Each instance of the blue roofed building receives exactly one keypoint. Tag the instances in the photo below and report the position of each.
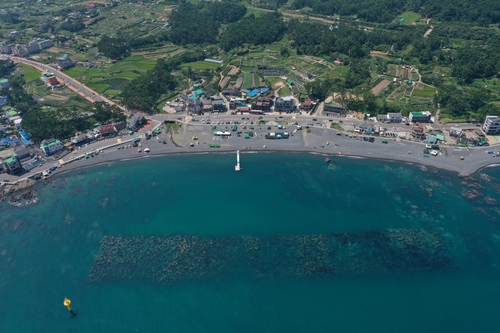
(51, 146)
(254, 93)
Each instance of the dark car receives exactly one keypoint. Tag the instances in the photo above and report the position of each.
(164, 142)
(371, 139)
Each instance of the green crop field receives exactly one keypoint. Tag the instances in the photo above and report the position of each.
(247, 81)
(30, 74)
(409, 17)
(255, 11)
(425, 91)
(202, 65)
(134, 63)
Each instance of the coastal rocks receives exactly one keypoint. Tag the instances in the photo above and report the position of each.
(472, 185)
(19, 194)
(169, 259)
(490, 201)
(104, 202)
(474, 194)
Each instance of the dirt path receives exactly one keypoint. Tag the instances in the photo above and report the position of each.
(428, 32)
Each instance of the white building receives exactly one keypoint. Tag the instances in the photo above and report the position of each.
(491, 125)
(51, 146)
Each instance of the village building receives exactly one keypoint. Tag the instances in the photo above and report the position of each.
(230, 92)
(391, 117)
(194, 106)
(52, 81)
(4, 84)
(5, 49)
(420, 117)
(365, 127)
(455, 132)
(263, 104)
(120, 126)
(418, 132)
(12, 165)
(333, 109)
(33, 47)
(45, 44)
(284, 104)
(107, 130)
(491, 125)
(20, 50)
(51, 146)
(64, 61)
(306, 105)
(218, 104)
(136, 121)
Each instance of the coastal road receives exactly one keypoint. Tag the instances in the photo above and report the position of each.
(81, 89)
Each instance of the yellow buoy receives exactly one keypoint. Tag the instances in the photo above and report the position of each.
(67, 303)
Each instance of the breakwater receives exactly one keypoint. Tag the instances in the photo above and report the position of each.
(168, 259)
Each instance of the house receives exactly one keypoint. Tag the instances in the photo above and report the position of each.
(33, 47)
(284, 104)
(417, 132)
(333, 108)
(107, 130)
(12, 165)
(218, 104)
(420, 117)
(4, 48)
(23, 153)
(51, 146)
(262, 104)
(52, 81)
(20, 50)
(64, 61)
(365, 127)
(120, 126)
(194, 106)
(80, 138)
(306, 105)
(4, 84)
(394, 117)
(45, 44)
(136, 121)
(230, 92)
(491, 125)
(455, 132)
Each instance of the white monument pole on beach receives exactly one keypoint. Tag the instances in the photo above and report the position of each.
(237, 167)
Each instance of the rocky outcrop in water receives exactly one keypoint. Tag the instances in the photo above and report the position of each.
(168, 259)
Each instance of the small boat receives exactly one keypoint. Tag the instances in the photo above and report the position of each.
(327, 160)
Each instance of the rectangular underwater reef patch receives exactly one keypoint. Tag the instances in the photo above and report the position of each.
(170, 259)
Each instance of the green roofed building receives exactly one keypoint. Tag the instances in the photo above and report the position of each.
(420, 117)
(333, 108)
(51, 146)
(198, 92)
(12, 165)
(4, 84)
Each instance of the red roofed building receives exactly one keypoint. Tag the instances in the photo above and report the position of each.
(52, 81)
(107, 129)
(306, 105)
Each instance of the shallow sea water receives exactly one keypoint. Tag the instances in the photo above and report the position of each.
(48, 250)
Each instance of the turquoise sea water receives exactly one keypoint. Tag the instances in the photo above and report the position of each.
(47, 250)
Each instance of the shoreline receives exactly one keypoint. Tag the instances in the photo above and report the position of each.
(74, 166)
(325, 142)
